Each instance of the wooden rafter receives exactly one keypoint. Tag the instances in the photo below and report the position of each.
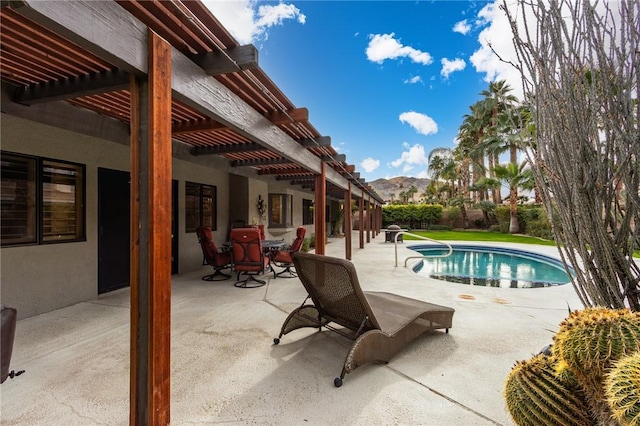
(227, 60)
(226, 149)
(261, 162)
(74, 87)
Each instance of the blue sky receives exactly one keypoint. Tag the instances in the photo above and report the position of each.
(388, 81)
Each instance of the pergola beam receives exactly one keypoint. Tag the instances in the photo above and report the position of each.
(89, 84)
(341, 158)
(226, 149)
(289, 116)
(316, 142)
(227, 61)
(298, 177)
(276, 171)
(262, 162)
(198, 126)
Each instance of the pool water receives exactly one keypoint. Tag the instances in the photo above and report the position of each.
(491, 267)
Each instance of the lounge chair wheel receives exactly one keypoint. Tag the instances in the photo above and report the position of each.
(337, 382)
(276, 341)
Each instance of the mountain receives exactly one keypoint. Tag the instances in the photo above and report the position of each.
(396, 185)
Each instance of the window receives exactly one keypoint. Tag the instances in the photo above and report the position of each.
(307, 212)
(280, 210)
(200, 206)
(42, 200)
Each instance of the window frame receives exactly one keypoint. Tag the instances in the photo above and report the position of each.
(200, 195)
(283, 203)
(37, 203)
(308, 212)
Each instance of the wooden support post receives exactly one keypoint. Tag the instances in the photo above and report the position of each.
(367, 204)
(137, 372)
(374, 219)
(151, 159)
(348, 227)
(361, 222)
(320, 216)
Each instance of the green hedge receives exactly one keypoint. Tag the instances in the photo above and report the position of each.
(412, 216)
(533, 220)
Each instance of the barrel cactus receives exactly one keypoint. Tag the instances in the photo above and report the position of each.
(622, 387)
(536, 395)
(589, 342)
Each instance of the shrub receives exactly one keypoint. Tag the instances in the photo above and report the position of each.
(479, 223)
(451, 215)
(306, 244)
(439, 228)
(495, 228)
(411, 215)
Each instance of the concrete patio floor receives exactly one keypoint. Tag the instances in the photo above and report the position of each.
(225, 369)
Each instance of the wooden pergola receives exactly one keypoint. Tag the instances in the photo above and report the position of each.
(149, 73)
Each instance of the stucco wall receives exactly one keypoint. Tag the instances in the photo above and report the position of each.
(40, 278)
(37, 279)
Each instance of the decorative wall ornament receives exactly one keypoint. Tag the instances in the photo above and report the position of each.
(262, 207)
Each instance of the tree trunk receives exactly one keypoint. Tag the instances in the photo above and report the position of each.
(514, 227)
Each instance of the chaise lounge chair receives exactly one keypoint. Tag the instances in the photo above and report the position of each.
(381, 324)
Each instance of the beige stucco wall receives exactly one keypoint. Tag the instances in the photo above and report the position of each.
(37, 279)
(40, 278)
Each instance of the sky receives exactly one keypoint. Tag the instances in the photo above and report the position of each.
(388, 81)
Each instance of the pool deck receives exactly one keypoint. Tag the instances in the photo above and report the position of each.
(225, 370)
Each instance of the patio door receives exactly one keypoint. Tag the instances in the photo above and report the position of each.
(113, 229)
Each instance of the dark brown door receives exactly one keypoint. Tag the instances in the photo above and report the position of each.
(113, 229)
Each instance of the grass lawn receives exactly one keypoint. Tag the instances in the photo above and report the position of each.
(479, 236)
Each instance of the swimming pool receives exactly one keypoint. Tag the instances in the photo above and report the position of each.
(491, 267)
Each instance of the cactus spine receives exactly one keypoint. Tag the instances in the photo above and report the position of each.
(622, 387)
(589, 342)
(535, 395)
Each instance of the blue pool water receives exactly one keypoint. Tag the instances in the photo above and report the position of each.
(491, 267)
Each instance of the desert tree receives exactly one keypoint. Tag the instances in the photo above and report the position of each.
(580, 67)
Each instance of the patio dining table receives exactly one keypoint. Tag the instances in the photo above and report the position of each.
(269, 247)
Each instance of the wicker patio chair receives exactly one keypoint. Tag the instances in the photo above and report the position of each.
(381, 324)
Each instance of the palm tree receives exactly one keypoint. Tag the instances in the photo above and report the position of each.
(442, 165)
(411, 192)
(496, 99)
(515, 176)
(471, 133)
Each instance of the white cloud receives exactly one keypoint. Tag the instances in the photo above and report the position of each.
(386, 46)
(424, 174)
(249, 22)
(369, 164)
(413, 80)
(462, 27)
(449, 66)
(497, 35)
(422, 123)
(413, 156)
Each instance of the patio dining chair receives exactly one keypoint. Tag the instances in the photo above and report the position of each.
(248, 257)
(380, 324)
(219, 260)
(284, 258)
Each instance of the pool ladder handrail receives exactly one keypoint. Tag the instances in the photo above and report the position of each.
(423, 256)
